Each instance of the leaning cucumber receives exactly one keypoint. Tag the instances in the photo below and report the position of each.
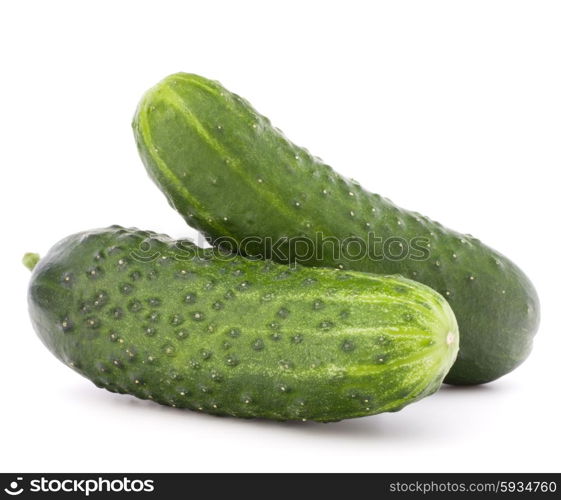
(141, 314)
(237, 179)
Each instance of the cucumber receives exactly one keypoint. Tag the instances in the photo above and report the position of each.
(141, 314)
(239, 181)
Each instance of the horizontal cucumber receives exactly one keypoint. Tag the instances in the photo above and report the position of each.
(238, 180)
(141, 314)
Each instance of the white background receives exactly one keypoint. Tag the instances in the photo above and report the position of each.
(450, 108)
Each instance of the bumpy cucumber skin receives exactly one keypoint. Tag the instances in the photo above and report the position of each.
(233, 336)
(229, 173)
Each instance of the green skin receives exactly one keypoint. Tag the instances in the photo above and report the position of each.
(233, 176)
(141, 314)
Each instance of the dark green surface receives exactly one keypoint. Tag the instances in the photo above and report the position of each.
(231, 174)
(139, 313)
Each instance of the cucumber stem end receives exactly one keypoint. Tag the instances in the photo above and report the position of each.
(30, 260)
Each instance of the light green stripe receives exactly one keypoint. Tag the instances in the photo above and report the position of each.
(418, 356)
(173, 179)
